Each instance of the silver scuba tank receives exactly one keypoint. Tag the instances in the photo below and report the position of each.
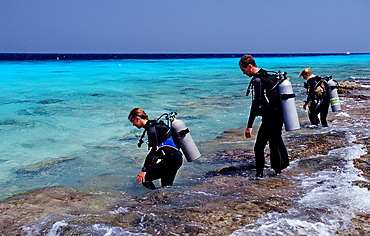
(182, 134)
(289, 108)
(333, 95)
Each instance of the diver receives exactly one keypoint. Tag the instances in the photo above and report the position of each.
(164, 158)
(265, 103)
(317, 99)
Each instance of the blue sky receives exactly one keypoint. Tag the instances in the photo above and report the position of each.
(187, 26)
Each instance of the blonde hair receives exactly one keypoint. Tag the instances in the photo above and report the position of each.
(306, 71)
(137, 112)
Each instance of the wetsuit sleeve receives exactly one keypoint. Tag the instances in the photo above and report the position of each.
(152, 139)
(311, 87)
(257, 95)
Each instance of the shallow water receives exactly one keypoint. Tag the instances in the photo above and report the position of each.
(64, 123)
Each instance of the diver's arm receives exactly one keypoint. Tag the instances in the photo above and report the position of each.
(311, 87)
(255, 103)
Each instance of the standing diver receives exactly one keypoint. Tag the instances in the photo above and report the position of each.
(265, 103)
(161, 146)
(317, 99)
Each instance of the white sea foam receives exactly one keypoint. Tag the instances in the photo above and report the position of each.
(331, 201)
(35, 229)
(57, 226)
(119, 210)
(101, 229)
(342, 114)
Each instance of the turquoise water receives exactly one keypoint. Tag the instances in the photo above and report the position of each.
(64, 123)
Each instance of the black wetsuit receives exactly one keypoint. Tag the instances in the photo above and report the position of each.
(317, 105)
(161, 147)
(271, 126)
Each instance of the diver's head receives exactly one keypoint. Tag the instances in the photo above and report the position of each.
(138, 117)
(248, 65)
(306, 73)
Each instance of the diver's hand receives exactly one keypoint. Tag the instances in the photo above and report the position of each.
(141, 177)
(248, 133)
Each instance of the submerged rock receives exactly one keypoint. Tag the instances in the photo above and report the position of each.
(50, 101)
(44, 165)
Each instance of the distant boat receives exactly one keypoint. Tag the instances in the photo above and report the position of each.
(348, 53)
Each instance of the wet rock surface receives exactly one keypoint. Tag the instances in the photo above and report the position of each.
(225, 200)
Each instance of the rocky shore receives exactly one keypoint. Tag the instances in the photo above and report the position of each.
(224, 201)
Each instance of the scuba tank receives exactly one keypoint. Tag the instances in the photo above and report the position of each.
(182, 137)
(288, 106)
(333, 94)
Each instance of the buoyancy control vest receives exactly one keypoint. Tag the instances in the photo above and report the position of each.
(277, 95)
(164, 139)
(321, 88)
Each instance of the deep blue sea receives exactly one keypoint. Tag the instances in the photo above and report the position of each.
(64, 122)
(63, 117)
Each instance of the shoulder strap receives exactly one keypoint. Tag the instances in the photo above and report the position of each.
(141, 141)
(259, 74)
(249, 88)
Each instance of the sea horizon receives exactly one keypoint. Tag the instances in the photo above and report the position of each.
(180, 55)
